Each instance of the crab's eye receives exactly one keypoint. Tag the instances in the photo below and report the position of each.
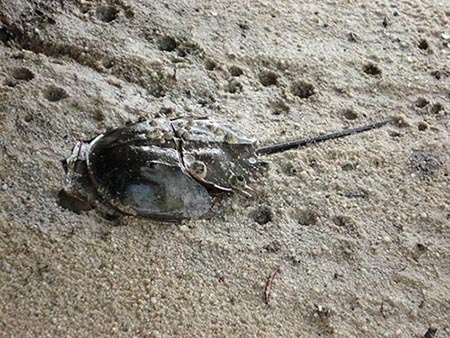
(198, 168)
(237, 181)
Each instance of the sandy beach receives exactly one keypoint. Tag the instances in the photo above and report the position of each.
(358, 229)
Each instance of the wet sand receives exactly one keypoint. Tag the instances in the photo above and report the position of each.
(358, 227)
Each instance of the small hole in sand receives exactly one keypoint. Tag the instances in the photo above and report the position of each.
(436, 108)
(421, 247)
(108, 63)
(167, 43)
(54, 94)
(273, 246)
(22, 73)
(244, 26)
(4, 35)
(268, 78)
(280, 107)
(210, 64)
(350, 114)
(394, 133)
(348, 167)
(51, 20)
(436, 74)
(289, 169)
(10, 82)
(106, 13)
(421, 102)
(352, 37)
(263, 215)
(343, 221)
(307, 217)
(372, 69)
(302, 89)
(235, 71)
(182, 53)
(423, 44)
(234, 87)
(98, 115)
(422, 126)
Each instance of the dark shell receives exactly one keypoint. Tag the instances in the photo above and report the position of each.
(226, 154)
(163, 169)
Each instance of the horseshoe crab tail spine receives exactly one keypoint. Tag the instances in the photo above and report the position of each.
(278, 148)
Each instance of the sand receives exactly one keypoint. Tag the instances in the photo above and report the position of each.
(359, 228)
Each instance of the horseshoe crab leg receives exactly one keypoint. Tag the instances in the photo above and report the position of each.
(278, 148)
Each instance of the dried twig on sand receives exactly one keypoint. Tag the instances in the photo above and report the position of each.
(269, 284)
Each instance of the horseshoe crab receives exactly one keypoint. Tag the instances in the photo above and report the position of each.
(165, 169)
